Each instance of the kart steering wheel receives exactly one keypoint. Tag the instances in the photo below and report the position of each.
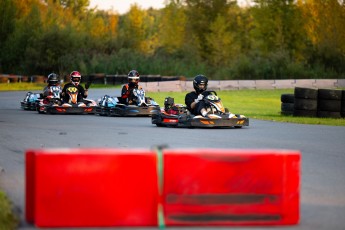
(205, 93)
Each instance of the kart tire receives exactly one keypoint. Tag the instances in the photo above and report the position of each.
(329, 114)
(287, 107)
(305, 93)
(305, 113)
(286, 113)
(305, 104)
(287, 98)
(330, 105)
(330, 94)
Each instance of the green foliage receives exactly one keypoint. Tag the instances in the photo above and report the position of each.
(7, 218)
(272, 39)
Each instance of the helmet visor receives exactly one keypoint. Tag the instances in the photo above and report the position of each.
(75, 79)
(201, 86)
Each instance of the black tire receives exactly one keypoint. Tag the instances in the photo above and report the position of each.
(329, 105)
(305, 113)
(287, 107)
(329, 94)
(286, 113)
(305, 104)
(287, 98)
(306, 93)
(328, 114)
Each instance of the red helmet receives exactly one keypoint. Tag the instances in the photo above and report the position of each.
(75, 78)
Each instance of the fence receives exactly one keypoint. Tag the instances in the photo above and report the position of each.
(157, 83)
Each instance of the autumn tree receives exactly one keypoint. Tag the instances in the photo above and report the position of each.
(326, 32)
(172, 27)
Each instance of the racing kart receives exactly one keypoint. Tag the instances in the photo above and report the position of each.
(177, 115)
(53, 104)
(116, 106)
(29, 102)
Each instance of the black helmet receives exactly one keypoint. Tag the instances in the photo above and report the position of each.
(53, 79)
(133, 77)
(200, 80)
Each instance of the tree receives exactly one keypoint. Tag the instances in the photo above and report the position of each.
(326, 32)
(223, 47)
(278, 26)
(7, 25)
(200, 14)
(172, 28)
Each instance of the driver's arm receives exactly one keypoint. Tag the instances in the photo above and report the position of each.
(86, 93)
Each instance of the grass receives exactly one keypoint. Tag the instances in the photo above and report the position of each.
(8, 220)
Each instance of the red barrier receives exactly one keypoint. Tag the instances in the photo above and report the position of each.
(129, 187)
(231, 187)
(91, 187)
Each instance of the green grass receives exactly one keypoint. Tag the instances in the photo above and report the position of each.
(8, 220)
(258, 104)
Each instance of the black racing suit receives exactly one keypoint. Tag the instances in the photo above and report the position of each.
(81, 92)
(189, 99)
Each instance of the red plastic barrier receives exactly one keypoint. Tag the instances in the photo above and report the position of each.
(91, 187)
(231, 187)
(128, 187)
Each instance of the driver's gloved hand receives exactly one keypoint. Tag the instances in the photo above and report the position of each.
(87, 85)
(200, 97)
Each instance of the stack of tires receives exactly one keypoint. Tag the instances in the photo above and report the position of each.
(306, 102)
(287, 104)
(329, 103)
(309, 102)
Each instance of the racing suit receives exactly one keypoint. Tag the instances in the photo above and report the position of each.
(82, 93)
(190, 98)
(127, 96)
(49, 89)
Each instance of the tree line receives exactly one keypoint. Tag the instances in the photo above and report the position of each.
(268, 39)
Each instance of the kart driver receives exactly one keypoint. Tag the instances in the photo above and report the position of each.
(75, 77)
(194, 100)
(127, 90)
(53, 85)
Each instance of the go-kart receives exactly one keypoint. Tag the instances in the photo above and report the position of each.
(177, 115)
(29, 102)
(53, 104)
(116, 106)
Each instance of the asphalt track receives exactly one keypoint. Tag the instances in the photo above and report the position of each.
(323, 150)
